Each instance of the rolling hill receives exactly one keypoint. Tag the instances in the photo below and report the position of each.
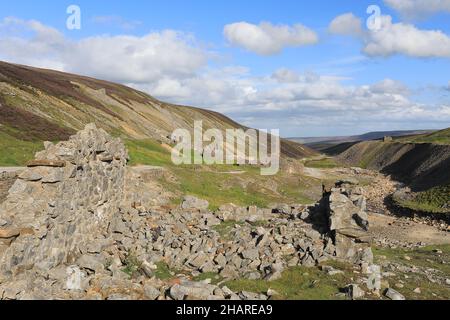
(324, 143)
(39, 104)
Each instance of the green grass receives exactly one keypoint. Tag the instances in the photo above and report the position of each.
(225, 228)
(214, 277)
(439, 137)
(248, 188)
(300, 283)
(15, 152)
(325, 163)
(132, 266)
(433, 200)
(163, 272)
(147, 152)
(424, 258)
(213, 183)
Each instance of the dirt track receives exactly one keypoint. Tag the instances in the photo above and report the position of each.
(385, 227)
(405, 231)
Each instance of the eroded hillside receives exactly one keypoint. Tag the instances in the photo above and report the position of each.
(38, 105)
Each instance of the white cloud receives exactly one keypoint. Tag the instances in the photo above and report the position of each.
(268, 39)
(402, 38)
(122, 58)
(394, 38)
(390, 86)
(346, 24)
(419, 8)
(285, 75)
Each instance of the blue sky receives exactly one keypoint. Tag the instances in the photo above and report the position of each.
(252, 61)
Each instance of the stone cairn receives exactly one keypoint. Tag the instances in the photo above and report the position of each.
(78, 225)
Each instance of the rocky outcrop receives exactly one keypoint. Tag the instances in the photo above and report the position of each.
(348, 223)
(64, 197)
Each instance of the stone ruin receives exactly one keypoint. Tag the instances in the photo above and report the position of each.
(77, 211)
(66, 195)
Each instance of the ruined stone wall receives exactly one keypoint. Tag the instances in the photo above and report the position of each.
(348, 223)
(64, 199)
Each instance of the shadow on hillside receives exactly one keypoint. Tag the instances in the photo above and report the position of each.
(399, 211)
(423, 167)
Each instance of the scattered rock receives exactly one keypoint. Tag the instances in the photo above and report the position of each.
(393, 294)
(190, 202)
(355, 292)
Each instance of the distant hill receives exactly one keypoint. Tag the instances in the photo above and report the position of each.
(363, 137)
(39, 104)
(438, 137)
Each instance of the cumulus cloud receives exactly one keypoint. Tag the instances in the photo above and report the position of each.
(394, 38)
(268, 39)
(346, 24)
(413, 9)
(123, 58)
(402, 38)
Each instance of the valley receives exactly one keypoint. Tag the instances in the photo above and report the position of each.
(315, 230)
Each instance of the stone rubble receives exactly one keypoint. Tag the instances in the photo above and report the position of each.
(80, 225)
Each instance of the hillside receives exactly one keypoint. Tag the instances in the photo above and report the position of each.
(323, 143)
(422, 166)
(438, 137)
(39, 104)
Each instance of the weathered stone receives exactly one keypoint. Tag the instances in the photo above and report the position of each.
(355, 292)
(250, 254)
(220, 260)
(118, 226)
(229, 272)
(30, 175)
(199, 260)
(91, 262)
(9, 233)
(46, 163)
(148, 268)
(151, 292)
(190, 202)
(197, 290)
(393, 294)
(54, 175)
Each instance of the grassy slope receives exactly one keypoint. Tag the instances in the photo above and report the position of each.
(213, 183)
(219, 185)
(15, 152)
(50, 105)
(436, 200)
(324, 163)
(439, 137)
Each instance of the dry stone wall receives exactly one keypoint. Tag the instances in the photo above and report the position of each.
(64, 198)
